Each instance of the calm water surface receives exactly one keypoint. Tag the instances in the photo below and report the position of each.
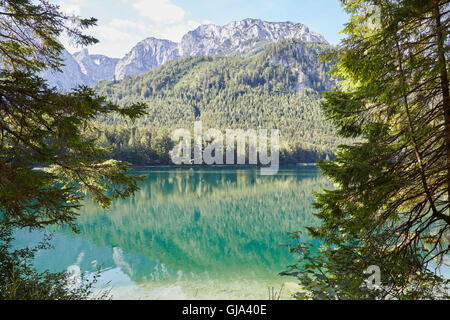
(191, 234)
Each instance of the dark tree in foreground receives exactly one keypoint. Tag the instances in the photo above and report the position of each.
(390, 207)
(40, 127)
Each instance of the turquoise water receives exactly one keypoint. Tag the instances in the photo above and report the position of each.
(203, 233)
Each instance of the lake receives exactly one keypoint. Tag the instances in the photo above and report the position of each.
(203, 233)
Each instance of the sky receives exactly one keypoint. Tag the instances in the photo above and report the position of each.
(123, 23)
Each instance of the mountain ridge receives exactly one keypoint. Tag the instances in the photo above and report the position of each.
(280, 87)
(242, 37)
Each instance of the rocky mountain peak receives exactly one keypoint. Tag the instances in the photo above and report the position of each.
(234, 38)
(95, 67)
(213, 39)
(147, 54)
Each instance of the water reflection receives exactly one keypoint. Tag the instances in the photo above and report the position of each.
(192, 233)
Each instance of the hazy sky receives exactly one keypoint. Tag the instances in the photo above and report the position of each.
(123, 23)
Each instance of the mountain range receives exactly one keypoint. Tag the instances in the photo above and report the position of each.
(239, 38)
(247, 74)
(279, 87)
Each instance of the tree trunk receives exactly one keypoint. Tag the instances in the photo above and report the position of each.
(440, 41)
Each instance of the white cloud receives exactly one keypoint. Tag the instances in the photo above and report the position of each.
(71, 7)
(119, 35)
(155, 18)
(160, 11)
(175, 32)
(128, 24)
(172, 32)
(114, 42)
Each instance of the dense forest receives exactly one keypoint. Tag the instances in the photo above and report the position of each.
(277, 88)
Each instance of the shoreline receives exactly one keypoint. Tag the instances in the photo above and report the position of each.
(220, 166)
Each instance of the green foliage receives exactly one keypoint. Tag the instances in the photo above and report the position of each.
(279, 87)
(391, 203)
(29, 32)
(43, 128)
(20, 281)
(47, 163)
(341, 271)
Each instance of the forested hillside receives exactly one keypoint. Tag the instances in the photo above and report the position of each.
(279, 87)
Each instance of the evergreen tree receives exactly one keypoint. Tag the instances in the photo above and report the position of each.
(279, 87)
(391, 204)
(40, 127)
